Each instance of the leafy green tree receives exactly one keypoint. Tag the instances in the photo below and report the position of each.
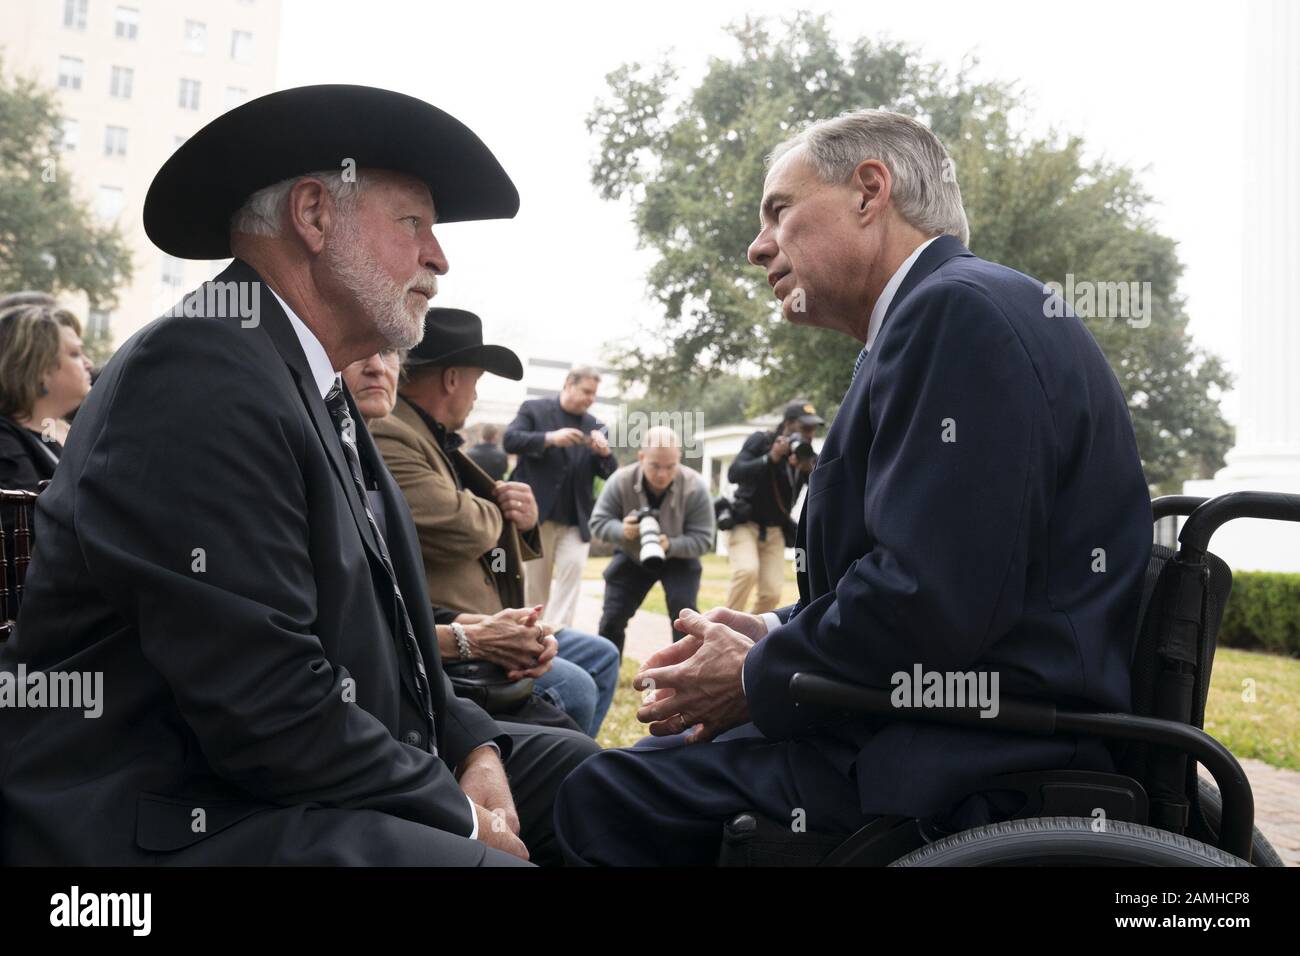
(691, 167)
(49, 240)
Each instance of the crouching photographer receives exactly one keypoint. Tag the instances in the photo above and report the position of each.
(660, 513)
(768, 473)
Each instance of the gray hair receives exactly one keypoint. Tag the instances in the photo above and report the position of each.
(580, 373)
(261, 213)
(925, 190)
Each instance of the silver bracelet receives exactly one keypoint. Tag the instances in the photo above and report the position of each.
(462, 640)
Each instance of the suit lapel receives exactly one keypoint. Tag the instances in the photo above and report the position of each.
(935, 255)
(281, 331)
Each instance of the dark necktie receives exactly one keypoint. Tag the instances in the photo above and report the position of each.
(337, 404)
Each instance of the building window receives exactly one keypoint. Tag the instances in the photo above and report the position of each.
(69, 73)
(74, 14)
(234, 96)
(70, 137)
(189, 98)
(126, 23)
(109, 202)
(98, 322)
(120, 82)
(241, 46)
(114, 141)
(173, 271)
(196, 36)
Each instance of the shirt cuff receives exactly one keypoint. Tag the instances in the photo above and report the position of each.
(473, 815)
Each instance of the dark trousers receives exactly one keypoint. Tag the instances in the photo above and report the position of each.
(664, 804)
(540, 759)
(627, 583)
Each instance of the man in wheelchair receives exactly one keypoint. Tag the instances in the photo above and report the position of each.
(979, 507)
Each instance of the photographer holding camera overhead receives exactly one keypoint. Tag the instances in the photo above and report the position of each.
(659, 511)
(768, 473)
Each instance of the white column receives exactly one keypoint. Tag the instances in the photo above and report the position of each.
(1268, 434)
(1267, 453)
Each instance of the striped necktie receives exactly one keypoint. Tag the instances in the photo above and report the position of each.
(337, 404)
(857, 364)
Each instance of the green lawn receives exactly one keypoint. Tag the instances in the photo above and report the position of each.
(1267, 728)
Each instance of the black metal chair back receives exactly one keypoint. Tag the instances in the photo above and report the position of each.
(17, 518)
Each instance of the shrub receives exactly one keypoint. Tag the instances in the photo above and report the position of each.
(1263, 613)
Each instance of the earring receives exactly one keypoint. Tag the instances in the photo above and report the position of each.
(43, 392)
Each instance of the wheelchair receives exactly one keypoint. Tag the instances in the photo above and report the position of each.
(1154, 810)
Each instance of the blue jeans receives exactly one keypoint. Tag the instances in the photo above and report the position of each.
(582, 678)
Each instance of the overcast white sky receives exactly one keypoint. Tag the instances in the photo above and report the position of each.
(1152, 83)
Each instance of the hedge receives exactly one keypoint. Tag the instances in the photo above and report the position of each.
(1263, 613)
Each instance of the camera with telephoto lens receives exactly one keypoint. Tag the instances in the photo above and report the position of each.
(801, 448)
(652, 552)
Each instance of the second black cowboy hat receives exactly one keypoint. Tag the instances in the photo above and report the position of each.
(454, 337)
(310, 128)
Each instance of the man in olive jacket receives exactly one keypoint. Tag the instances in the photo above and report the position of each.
(475, 533)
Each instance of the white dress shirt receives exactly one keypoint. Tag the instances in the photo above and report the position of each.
(322, 369)
(873, 329)
(891, 289)
(322, 372)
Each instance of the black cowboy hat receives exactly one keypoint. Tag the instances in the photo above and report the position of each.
(454, 337)
(332, 127)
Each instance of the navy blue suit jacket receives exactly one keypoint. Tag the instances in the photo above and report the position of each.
(979, 473)
(543, 469)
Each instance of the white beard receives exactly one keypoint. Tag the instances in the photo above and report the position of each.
(387, 304)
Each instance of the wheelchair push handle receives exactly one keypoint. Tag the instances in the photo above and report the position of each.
(1216, 512)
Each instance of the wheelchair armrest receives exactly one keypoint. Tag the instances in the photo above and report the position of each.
(1040, 718)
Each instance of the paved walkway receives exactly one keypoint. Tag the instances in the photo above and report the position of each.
(1277, 791)
(1277, 806)
(646, 632)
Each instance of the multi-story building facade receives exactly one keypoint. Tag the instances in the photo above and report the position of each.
(135, 78)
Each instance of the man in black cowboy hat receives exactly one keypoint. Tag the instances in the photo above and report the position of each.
(275, 693)
(476, 533)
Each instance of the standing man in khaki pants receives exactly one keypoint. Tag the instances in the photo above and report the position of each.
(768, 473)
(561, 450)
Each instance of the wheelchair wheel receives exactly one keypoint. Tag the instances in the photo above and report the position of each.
(1261, 851)
(1067, 841)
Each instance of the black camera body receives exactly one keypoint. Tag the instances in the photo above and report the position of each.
(652, 555)
(801, 448)
(730, 512)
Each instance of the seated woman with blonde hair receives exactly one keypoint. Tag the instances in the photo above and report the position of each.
(44, 377)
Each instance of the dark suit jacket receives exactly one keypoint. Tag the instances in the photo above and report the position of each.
(24, 464)
(543, 468)
(202, 545)
(970, 555)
